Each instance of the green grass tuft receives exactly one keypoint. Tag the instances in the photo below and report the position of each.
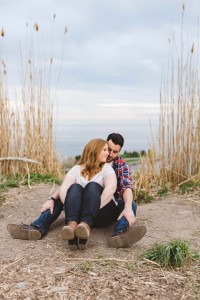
(16, 180)
(143, 197)
(174, 254)
(162, 191)
(6, 183)
(2, 199)
(41, 178)
(189, 186)
(87, 267)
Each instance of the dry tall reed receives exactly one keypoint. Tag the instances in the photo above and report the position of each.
(176, 159)
(26, 122)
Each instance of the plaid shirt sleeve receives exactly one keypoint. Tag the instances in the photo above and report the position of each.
(124, 179)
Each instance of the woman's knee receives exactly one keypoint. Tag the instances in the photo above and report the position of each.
(93, 187)
(75, 187)
(74, 191)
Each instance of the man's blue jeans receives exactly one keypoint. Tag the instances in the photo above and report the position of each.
(46, 218)
(122, 224)
(87, 211)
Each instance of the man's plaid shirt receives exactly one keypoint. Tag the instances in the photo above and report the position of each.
(124, 179)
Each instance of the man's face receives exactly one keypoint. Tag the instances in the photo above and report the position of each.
(113, 151)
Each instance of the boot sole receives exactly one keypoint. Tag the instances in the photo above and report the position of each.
(72, 247)
(67, 233)
(82, 245)
(82, 232)
(23, 234)
(72, 244)
(133, 235)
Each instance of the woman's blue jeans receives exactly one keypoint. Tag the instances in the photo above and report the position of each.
(83, 204)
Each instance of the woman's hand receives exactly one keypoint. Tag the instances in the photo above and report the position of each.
(48, 205)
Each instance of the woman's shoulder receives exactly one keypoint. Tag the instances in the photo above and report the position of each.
(74, 169)
(107, 168)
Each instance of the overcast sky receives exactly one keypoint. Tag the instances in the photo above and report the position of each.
(108, 66)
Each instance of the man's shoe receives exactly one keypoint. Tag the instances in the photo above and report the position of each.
(132, 235)
(24, 232)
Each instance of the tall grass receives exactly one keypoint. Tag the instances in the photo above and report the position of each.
(26, 121)
(174, 157)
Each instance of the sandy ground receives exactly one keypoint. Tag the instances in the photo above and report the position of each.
(46, 269)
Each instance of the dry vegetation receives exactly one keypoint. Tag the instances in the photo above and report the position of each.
(26, 122)
(174, 157)
(103, 279)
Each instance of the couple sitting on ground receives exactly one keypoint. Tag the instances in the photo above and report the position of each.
(95, 192)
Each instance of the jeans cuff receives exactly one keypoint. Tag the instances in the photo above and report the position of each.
(39, 228)
(118, 232)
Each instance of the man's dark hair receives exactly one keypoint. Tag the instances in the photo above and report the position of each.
(116, 138)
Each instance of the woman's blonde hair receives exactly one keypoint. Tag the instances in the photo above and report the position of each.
(89, 158)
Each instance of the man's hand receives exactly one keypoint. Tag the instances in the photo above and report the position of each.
(48, 205)
(129, 215)
(128, 211)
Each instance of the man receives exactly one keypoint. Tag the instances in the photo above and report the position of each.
(122, 208)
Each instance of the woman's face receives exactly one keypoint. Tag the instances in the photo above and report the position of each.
(103, 154)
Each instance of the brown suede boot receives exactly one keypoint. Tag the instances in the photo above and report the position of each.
(82, 232)
(24, 232)
(67, 233)
(132, 235)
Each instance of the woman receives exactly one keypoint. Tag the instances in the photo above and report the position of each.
(86, 188)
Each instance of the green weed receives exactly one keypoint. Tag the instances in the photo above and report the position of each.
(143, 197)
(189, 186)
(87, 267)
(6, 183)
(162, 191)
(2, 199)
(174, 254)
(41, 178)
(16, 180)
(130, 266)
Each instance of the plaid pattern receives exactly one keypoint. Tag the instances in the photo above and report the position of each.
(124, 179)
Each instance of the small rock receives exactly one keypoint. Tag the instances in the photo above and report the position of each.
(21, 285)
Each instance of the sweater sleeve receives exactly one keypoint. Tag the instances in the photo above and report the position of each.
(73, 172)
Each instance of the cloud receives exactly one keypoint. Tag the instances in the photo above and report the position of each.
(130, 105)
(112, 57)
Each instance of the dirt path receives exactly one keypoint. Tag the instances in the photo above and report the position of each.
(46, 269)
